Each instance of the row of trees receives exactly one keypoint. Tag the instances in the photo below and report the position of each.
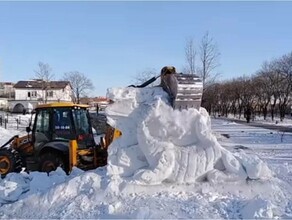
(79, 82)
(269, 90)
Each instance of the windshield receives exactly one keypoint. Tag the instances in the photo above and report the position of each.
(81, 119)
(62, 124)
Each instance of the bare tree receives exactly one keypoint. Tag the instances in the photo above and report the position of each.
(80, 84)
(285, 69)
(268, 87)
(44, 73)
(263, 93)
(212, 96)
(145, 75)
(271, 72)
(209, 56)
(190, 55)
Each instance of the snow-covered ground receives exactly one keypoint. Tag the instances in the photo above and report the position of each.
(167, 164)
(274, 147)
(287, 122)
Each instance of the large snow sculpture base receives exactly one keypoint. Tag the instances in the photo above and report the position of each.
(161, 144)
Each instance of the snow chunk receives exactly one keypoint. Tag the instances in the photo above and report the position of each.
(254, 166)
(257, 208)
(13, 186)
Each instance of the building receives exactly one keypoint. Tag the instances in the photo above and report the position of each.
(3, 103)
(28, 94)
(6, 93)
(7, 90)
(102, 102)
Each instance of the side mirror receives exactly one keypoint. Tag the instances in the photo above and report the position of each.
(28, 129)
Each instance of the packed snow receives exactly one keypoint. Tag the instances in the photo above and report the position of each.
(165, 145)
(167, 164)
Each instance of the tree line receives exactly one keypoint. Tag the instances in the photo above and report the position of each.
(267, 92)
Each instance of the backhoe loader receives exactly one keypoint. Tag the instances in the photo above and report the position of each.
(61, 135)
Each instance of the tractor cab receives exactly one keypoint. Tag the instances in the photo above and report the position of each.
(62, 122)
(55, 126)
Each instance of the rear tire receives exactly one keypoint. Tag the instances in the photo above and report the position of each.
(10, 161)
(50, 161)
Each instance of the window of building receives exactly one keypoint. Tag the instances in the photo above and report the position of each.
(50, 93)
(34, 94)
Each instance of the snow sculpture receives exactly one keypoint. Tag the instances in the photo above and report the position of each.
(161, 144)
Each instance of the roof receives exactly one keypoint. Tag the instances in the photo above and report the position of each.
(94, 100)
(38, 84)
(7, 83)
(61, 104)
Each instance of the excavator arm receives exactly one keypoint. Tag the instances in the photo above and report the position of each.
(184, 90)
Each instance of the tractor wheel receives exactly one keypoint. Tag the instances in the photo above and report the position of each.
(10, 161)
(50, 161)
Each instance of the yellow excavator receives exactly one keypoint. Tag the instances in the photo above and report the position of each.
(61, 133)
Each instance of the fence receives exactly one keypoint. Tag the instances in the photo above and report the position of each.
(14, 121)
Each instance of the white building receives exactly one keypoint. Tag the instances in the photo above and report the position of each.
(3, 103)
(6, 90)
(28, 94)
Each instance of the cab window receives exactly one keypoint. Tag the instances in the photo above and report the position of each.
(43, 121)
(42, 126)
(81, 121)
(62, 124)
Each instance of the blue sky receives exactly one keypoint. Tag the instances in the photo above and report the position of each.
(111, 42)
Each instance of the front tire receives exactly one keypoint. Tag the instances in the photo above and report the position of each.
(10, 161)
(50, 161)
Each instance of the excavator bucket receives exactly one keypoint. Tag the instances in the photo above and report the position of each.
(185, 90)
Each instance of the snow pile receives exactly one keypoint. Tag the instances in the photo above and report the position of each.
(53, 196)
(160, 144)
(93, 195)
(14, 184)
(12, 187)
